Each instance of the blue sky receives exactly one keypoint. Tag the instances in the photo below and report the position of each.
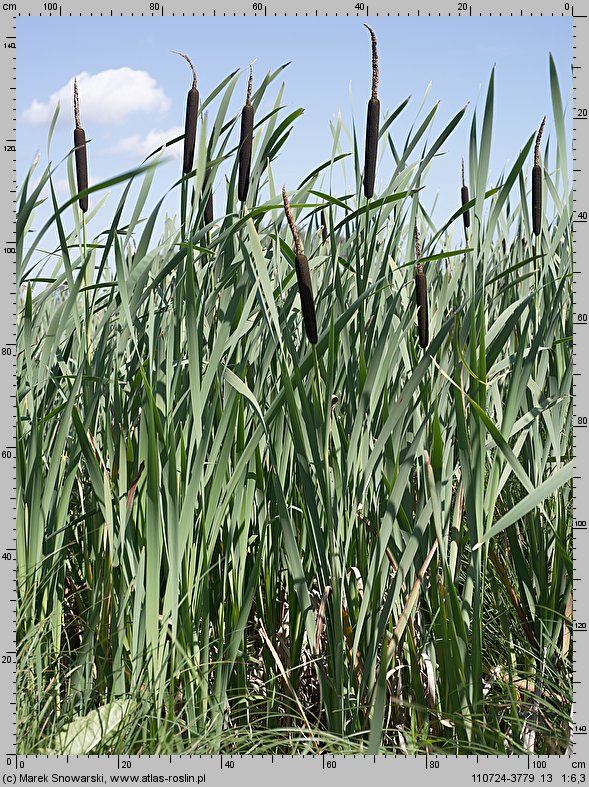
(133, 89)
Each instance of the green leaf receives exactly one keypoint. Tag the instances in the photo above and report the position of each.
(529, 502)
(84, 734)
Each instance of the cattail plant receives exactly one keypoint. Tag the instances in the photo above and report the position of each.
(421, 296)
(465, 198)
(372, 123)
(191, 118)
(80, 152)
(209, 206)
(537, 184)
(245, 142)
(303, 276)
(324, 233)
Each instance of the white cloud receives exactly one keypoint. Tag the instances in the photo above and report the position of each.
(62, 187)
(141, 146)
(105, 98)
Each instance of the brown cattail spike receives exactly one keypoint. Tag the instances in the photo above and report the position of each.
(324, 233)
(209, 209)
(80, 152)
(192, 101)
(303, 276)
(306, 295)
(464, 196)
(421, 297)
(537, 185)
(372, 124)
(245, 143)
(422, 313)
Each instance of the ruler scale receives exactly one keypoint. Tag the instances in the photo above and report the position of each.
(8, 359)
(571, 768)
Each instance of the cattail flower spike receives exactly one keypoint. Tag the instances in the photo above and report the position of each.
(245, 141)
(80, 151)
(248, 99)
(421, 296)
(374, 61)
(192, 101)
(191, 64)
(417, 248)
(324, 231)
(291, 223)
(464, 197)
(303, 275)
(537, 185)
(76, 105)
(537, 145)
(372, 124)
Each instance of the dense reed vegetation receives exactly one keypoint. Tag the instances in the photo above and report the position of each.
(232, 538)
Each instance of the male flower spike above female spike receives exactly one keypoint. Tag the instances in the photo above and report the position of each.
(372, 124)
(80, 152)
